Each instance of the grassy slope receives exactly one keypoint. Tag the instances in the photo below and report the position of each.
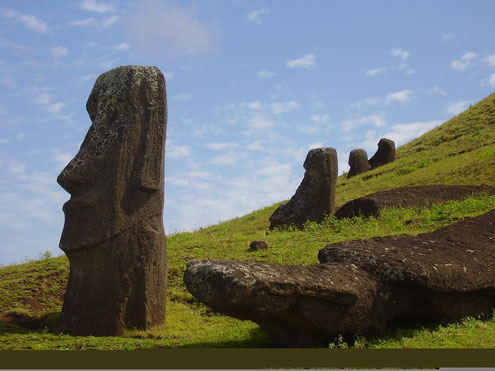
(461, 151)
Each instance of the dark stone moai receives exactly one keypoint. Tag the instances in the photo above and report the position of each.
(113, 233)
(358, 162)
(384, 154)
(315, 196)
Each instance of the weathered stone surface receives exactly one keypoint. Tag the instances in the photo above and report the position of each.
(256, 245)
(296, 305)
(358, 162)
(360, 287)
(384, 154)
(315, 196)
(113, 233)
(427, 195)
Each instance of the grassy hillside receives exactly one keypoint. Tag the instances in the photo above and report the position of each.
(461, 151)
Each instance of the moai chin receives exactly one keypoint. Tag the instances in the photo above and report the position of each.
(113, 233)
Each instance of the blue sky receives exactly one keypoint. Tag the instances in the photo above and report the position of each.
(252, 86)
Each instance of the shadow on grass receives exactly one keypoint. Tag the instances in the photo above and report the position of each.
(22, 323)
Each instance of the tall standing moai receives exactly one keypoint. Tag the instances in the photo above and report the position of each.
(358, 162)
(384, 154)
(315, 196)
(113, 233)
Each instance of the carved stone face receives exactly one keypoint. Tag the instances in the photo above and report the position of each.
(116, 178)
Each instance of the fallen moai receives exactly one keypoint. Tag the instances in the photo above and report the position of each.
(384, 154)
(358, 162)
(361, 286)
(113, 233)
(426, 195)
(315, 196)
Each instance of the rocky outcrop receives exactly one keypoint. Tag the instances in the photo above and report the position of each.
(113, 233)
(315, 196)
(384, 154)
(360, 287)
(358, 162)
(427, 195)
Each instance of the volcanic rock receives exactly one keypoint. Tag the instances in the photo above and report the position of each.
(384, 154)
(358, 162)
(315, 196)
(256, 245)
(427, 195)
(361, 286)
(113, 233)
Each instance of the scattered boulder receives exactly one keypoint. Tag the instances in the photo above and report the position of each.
(256, 245)
(113, 233)
(315, 196)
(384, 154)
(361, 286)
(427, 195)
(358, 162)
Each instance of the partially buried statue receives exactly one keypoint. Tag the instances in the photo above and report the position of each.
(113, 233)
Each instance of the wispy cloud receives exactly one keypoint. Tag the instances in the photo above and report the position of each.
(59, 51)
(29, 20)
(490, 59)
(320, 119)
(169, 75)
(448, 37)
(264, 74)
(55, 107)
(464, 62)
(307, 62)
(220, 146)
(400, 53)
(122, 47)
(178, 151)
(491, 80)
(402, 96)
(437, 90)
(457, 107)
(375, 120)
(376, 71)
(96, 6)
(181, 97)
(256, 15)
(160, 28)
(282, 107)
(92, 22)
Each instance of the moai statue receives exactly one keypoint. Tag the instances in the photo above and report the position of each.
(315, 196)
(358, 162)
(384, 154)
(113, 233)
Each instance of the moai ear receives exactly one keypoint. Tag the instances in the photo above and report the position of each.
(150, 178)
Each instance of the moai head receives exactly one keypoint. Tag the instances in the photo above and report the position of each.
(116, 179)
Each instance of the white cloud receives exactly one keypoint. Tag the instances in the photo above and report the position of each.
(109, 21)
(29, 20)
(320, 119)
(375, 120)
(307, 61)
(437, 90)
(256, 15)
(255, 105)
(55, 107)
(174, 151)
(87, 22)
(491, 80)
(96, 6)
(457, 107)
(58, 51)
(448, 37)
(376, 71)
(402, 96)
(43, 98)
(263, 74)
(158, 27)
(181, 97)
(490, 59)
(229, 158)
(464, 62)
(260, 122)
(84, 79)
(169, 75)
(282, 107)
(122, 47)
(403, 133)
(399, 53)
(221, 146)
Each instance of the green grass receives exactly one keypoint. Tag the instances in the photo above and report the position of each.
(461, 151)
